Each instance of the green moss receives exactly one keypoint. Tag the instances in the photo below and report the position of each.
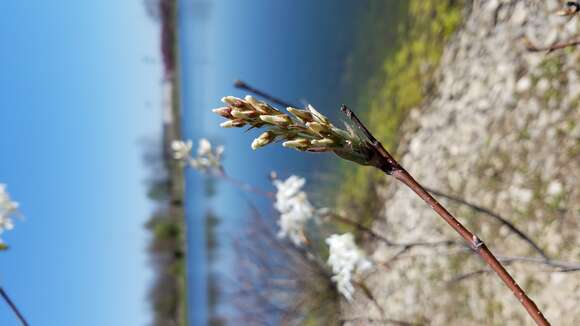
(411, 44)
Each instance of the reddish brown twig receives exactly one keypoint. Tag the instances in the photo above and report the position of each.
(384, 161)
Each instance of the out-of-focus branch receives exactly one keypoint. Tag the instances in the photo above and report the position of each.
(558, 46)
(244, 185)
(388, 242)
(381, 321)
(558, 265)
(562, 266)
(244, 86)
(494, 215)
(12, 306)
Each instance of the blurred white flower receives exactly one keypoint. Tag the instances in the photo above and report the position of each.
(347, 262)
(6, 223)
(181, 149)
(7, 208)
(207, 159)
(554, 188)
(204, 147)
(294, 207)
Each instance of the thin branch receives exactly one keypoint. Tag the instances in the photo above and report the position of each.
(549, 49)
(382, 321)
(388, 242)
(496, 216)
(368, 293)
(10, 303)
(244, 185)
(242, 85)
(384, 161)
(563, 266)
(465, 276)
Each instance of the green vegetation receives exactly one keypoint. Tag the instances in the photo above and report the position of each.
(390, 72)
(214, 290)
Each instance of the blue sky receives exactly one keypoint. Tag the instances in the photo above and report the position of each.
(79, 94)
(294, 49)
(80, 87)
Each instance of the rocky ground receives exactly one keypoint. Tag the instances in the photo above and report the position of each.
(502, 131)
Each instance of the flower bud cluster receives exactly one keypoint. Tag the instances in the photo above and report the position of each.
(303, 130)
(207, 159)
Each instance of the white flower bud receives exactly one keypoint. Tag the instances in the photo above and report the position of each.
(300, 144)
(261, 107)
(263, 140)
(244, 115)
(281, 120)
(232, 124)
(223, 112)
(317, 116)
(319, 128)
(231, 100)
(303, 115)
(325, 142)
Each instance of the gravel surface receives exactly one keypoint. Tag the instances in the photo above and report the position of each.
(501, 131)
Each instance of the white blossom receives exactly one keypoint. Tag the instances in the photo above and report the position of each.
(347, 262)
(207, 159)
(181, 149)
(294, 207)
(7, 208)
(204, 147)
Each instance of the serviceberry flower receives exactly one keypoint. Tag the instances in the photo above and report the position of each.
(207, 160)
(181, 149)
(347, 262)
(294, 207)
(8, 208)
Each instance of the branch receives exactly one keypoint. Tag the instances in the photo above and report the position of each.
(564, 266)
(388, 242)
(549, 49)
(242, 85)
(496, 216)
(243, 185)
(10, 303)
(386, 163)
(382, 321)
